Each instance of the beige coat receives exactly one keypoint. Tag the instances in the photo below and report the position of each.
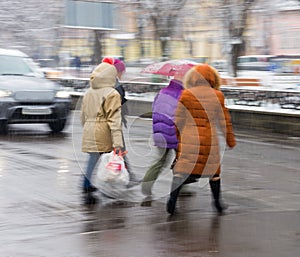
(101, 112)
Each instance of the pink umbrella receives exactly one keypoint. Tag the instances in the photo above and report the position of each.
(169, 68)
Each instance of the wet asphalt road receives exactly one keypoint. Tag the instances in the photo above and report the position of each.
(42, 212)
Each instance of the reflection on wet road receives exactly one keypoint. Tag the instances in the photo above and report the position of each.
(42, 212)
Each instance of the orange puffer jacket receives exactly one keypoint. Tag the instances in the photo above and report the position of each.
(202, 120)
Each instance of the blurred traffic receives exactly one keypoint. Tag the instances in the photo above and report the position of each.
(26, 96)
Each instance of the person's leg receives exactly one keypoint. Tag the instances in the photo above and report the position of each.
(154, 171)
(191, 179)
(177, 184)
(92, 161)
(185, 191)
(215, 185)
(132, 176)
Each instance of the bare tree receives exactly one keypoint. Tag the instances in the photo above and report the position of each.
(163, 15)
(31, 25)
(231, 15)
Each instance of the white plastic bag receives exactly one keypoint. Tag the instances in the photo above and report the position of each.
(112, 169)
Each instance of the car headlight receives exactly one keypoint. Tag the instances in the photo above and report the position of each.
(4, 93)
(62, 94)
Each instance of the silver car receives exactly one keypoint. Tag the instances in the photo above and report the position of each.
(26, 96)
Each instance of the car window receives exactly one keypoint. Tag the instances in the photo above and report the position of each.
(14, 65)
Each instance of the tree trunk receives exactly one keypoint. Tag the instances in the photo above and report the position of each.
(237, 50)
(164, 49)
(98, 48)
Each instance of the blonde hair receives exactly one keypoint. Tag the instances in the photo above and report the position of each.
(217, 83)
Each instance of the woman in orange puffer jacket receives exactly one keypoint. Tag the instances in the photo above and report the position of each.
(200, 115)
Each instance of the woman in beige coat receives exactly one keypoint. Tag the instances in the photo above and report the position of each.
(101, 119)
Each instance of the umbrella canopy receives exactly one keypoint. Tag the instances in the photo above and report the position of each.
(169, 68)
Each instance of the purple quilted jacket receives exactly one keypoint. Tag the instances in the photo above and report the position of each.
(163, 115)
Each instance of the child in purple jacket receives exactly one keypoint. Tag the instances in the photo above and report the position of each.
(164, 131)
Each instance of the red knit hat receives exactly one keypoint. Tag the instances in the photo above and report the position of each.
(108, 60)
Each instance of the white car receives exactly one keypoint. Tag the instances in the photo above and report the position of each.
(220, 65)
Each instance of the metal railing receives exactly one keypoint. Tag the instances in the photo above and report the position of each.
(239, 96)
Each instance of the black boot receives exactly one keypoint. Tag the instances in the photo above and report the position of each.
(215, 186)
(175, 189)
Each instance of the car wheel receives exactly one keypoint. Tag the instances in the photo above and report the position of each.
(57, 126)
(3, 127)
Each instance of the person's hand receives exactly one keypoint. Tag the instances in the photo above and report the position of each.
(118, 150)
